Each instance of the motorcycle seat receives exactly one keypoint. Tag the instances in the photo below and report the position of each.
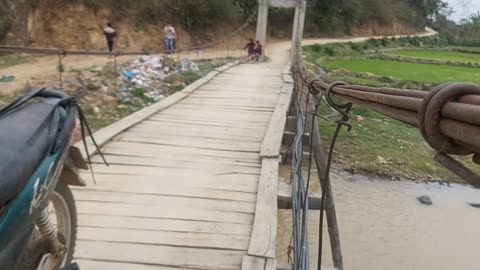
(26, 136)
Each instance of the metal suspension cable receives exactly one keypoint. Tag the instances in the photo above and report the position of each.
(448, 117)
(54, 51)
(299, 192)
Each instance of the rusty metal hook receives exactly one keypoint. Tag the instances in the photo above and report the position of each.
(343, 109)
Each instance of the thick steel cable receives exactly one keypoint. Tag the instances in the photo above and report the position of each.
(450, 112)
(299, 193)
(449, 118)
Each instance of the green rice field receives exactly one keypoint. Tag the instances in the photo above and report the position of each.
(440, 55)
(409, 71)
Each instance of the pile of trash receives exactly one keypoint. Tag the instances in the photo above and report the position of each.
(150, 73)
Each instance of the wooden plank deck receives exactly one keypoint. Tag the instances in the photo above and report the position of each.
(181, 191)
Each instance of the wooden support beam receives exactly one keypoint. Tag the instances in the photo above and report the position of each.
(284, 197)
(331, 216)
(286, 155)
(274, 135)
(288, 137)
(264, 233)
(287, 266)
(253, 263)
(283, 3)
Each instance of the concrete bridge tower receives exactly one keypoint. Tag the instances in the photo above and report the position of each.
(299, 19)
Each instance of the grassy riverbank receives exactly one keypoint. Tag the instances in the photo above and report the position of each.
(378, 144)
(417, 72)
(445, 55)
(382, 146)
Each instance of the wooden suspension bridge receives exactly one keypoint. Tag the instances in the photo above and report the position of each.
(192, 181)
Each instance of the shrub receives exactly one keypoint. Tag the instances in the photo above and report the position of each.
(329, 51)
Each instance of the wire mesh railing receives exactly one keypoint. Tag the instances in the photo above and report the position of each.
(448, 117)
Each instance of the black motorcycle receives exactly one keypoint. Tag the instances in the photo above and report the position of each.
(38, 219)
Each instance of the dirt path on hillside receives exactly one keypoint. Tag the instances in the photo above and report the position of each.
(279, 53)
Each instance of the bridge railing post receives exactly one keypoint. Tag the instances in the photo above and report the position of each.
(298, 26)
(320, 158)
(262, 21)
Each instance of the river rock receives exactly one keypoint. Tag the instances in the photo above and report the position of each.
(476, 205)
(358, 178)
(425, 200)
(110, 102)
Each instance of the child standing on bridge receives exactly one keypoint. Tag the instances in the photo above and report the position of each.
(110, 35)
(258, 50)
(250, 47)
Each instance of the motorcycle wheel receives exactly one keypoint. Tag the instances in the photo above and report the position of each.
(63, 214)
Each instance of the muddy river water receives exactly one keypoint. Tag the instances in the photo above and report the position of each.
(384, 227)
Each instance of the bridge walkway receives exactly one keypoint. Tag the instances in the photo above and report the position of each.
(181, 191)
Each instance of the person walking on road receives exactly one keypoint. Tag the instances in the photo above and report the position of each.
(170, 38)
(110, 35)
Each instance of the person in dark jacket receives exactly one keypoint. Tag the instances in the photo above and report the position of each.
(250, 47)
(110, 35)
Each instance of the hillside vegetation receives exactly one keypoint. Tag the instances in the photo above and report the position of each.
(79, 22)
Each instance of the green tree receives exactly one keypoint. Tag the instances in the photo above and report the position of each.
(475, 21)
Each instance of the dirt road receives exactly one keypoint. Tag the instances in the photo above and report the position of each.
(279, 53)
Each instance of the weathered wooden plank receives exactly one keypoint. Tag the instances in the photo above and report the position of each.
(244, 109)
(105, 265)
(182, 158)
(159, 255)
(264, 232)
(287, 266)
(104, 135)
(180, 162)
(232, 146)
(182, 190)
(271, 264)
(191, 191)
(232, 103)
(178, 149)
(226, 155)
(253, 263)
(270, 97)
(285, 197)
(185, 239)
(219, 88)
(162, 211)
(167, 171)
(255, 125)
(159, 224)
(247, 184)
(168, 134)
(193, 128)
(147, 199)
(225, 134)
(273, 137)
(233, 118)
(224, 68)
